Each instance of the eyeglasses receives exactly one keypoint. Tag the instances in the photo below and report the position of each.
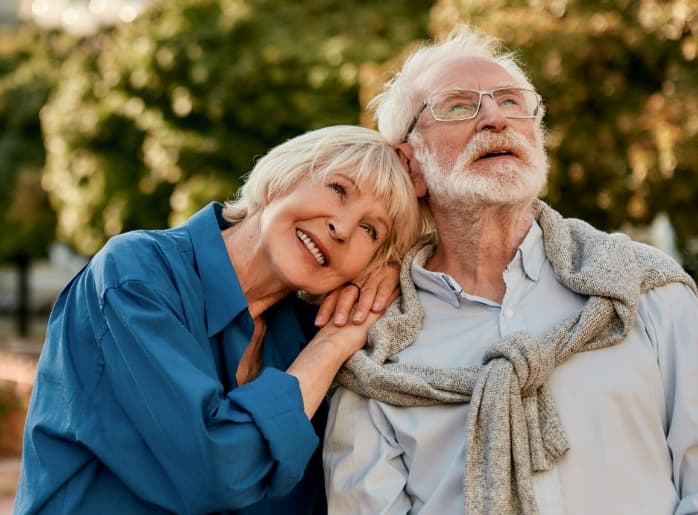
(464, 104)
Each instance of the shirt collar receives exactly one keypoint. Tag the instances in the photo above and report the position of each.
(223, 296)
(530, 254)
(439, 284)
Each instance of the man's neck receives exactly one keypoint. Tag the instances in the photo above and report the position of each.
(476, 245)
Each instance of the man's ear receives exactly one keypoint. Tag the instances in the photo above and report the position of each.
(406, 154)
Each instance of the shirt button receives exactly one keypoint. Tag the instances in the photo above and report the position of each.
(508, 314)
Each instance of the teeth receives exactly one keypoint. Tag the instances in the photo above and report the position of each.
(310, 244)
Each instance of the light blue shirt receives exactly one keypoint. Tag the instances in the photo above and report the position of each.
(135, 408)
(630, 411)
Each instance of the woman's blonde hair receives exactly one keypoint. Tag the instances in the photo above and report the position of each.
(360, 153)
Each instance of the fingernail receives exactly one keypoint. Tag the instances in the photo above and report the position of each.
(340, 320)
(358, 316)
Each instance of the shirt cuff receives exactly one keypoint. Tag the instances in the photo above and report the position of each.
(274, 402)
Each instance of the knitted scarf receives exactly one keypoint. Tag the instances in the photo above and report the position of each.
(513, 427)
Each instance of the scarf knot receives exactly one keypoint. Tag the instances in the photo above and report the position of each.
(532, 359)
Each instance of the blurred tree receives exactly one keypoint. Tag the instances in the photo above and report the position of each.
(620, 82)
(164, 114)
(28, 66)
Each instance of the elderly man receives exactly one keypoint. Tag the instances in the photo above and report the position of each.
(533, 363)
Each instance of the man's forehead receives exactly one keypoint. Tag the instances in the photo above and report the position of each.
(466, 72)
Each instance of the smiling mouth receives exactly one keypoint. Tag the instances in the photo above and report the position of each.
(312, 247)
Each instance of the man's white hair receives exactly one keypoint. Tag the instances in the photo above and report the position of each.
(400, 99)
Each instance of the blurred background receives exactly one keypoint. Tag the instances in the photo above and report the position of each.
(124, 114)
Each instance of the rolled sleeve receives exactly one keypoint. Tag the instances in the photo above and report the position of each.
(275, 404)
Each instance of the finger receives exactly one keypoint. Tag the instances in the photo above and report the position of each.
(327, 307)
(372, 318)
(345, 303)
(387, 289)
(385, 295)
(363, 306)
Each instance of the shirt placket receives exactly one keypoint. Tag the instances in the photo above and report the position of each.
(512, 318)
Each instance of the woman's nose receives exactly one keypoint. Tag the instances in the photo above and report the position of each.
(337, 230)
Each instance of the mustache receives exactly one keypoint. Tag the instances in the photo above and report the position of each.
(487, 141)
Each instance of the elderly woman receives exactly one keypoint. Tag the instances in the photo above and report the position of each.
(182, 373)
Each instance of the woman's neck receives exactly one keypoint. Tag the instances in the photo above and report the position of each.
(261, 287)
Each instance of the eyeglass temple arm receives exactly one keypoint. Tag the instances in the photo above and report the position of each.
(413, 123)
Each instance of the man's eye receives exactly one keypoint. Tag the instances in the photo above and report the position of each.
(459, 106)
(510, 101)
(509, 97)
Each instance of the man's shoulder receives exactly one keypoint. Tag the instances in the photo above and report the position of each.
(660, 268)
(668, 316)
(675, 299)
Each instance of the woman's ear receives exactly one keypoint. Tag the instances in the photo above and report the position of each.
(406, 155)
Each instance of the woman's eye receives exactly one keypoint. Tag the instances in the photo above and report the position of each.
(371, 231)
(337, 188)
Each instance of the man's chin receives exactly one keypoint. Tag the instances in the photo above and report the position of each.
(482, 190)
(494, 200)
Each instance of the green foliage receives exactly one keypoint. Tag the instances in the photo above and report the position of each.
(160, 116)
(620, 81)
(26, 78)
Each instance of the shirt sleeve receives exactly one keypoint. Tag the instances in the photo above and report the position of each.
(216, 450)
(363, 462)
(671, 318)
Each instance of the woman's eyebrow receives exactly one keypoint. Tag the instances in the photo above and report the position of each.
(347, 178)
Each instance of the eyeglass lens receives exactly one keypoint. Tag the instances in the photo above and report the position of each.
(463, 104)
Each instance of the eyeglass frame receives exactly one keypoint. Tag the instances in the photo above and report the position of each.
(427, 102)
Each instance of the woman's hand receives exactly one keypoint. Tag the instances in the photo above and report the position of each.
(319, 361)
(348, 338)
(374, 296)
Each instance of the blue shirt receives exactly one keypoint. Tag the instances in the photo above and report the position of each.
(135, 408)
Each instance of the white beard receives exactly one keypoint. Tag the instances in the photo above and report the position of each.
(508, 182)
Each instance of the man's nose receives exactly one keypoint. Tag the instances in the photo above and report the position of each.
(490, 116)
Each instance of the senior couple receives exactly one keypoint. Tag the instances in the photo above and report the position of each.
(531, 364)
